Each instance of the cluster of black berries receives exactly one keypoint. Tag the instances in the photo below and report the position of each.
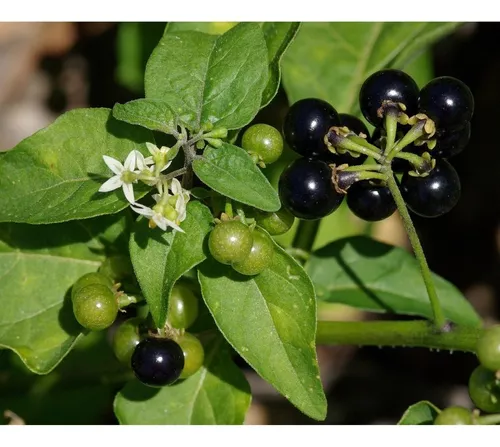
(308, 187)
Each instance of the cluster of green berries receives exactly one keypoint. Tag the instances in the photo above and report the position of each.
(484, 383)
(155, 360)
(314, 185)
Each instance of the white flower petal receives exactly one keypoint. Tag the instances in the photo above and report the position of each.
(142, 209)
(129, 164)
(156, 197)
(113, 164)
(128, 190)
(174, 226)
(159, 220)
(111, 184)
(140, 161)
(176, 187)
(166, 166)
(149, 161)
(152, 148)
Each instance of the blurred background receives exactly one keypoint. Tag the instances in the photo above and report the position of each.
(49, 68)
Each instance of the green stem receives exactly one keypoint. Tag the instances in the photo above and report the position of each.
(396, 333)
(490, 419)
(369, 175)
(356, 144)
(306, 234)
(439, 319)
(228, 208)
(391, 126)
(368, 167)
(413, 134)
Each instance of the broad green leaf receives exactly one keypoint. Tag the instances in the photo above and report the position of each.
(336, 58)
(270, 320)
(54, 175)
(135, 43)
(161, 258)
(374, 276)
(217, 394)
(149, 113)
(231, 172)
(421, 413)
(279, 36)
(38, 266)
(210, 79)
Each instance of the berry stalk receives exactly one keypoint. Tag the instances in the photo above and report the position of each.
(438, 316)
(391, 127)
(305, 235)
(396, 333)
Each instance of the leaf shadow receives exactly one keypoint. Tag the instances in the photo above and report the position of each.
(365, 247)
(67, 319)
(136, 391)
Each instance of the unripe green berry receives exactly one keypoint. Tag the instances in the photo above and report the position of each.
(230, 241)
(454, 416)
(484, 390)
(95, 307)
(182, 307)
(264, 141)
(88, 279)
(275, 223)
(194, 354)
(126, 338)
(488, 348)
(260, 256)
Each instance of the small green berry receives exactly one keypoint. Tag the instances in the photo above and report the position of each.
(126, 338)
(275, 223)
(230, 241)
(454, 416)
(484, 390)
(194, 354)
(183, 307)
(264, 141)
(95, 307)
(88, 279)
(488, 348)
(260, 257)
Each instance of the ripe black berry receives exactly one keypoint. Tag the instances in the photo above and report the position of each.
(370, 201)
(357, 126)
(306, 124)
(387, 85)
(451, 143)
(157, 362)
(435, 194)
(307, 191)
(447, 101)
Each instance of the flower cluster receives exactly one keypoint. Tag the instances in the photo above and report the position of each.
(171, 200)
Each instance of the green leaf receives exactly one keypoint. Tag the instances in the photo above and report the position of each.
(217, 394)
(231, 172)
(149, 113)
(421, 413)
(336, 58)
(374, 276)
(270, 320)
(38, 266)
(279, 36)
(54, 175)
(135, 43)
(210, 79)
(203, 27)
(160, 258)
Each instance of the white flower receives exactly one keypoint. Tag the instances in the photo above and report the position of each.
(155, 214)
(161, 156)
(182, 199)
(124, 175)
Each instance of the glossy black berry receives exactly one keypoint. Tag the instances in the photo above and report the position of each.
(435, 194)
(447, 101)
(387, 85)
(488, 348)
(454, 416)
(306, 124)
(357, 126)
(307, 191)
(157, 362)
(451, 143)
(370, 201)
(484, 390)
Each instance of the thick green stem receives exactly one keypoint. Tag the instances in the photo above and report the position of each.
(306, 234)
(439, 319)
(391, 126)
(354, 144)
(413, 134)
(367, 167)
(396, 333)
(490, 419)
